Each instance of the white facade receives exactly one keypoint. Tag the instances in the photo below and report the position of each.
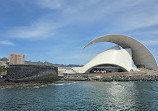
(141, 55)
(114, 56)
(132, 50)
(63, 69)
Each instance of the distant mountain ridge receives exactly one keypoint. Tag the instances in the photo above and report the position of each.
(4, 59)
(69, 65)
(38, 63)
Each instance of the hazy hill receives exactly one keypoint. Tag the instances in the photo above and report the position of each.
(38, 63)
(69, 65)
(4, 59)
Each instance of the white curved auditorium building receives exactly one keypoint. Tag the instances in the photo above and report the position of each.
(118, 59)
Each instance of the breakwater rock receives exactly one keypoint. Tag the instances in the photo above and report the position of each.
(119, 76)
(28, 73)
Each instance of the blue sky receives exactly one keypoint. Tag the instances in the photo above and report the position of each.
(57, 30)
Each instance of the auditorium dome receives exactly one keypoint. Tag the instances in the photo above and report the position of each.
(119, 60)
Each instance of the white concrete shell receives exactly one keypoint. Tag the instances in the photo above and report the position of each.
(113, 56)
(141, 55)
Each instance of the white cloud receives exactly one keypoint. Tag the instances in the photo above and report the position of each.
(119, 16)
(6, 42)
(50, 4)
(150, 42)
(39, 30)
(130, 14)
(124, 15)
(141, 22)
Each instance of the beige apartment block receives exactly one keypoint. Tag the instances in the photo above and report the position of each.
(15, 58)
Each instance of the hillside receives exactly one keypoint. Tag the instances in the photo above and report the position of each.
(4, 59)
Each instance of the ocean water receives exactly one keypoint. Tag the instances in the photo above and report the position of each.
(82, 96)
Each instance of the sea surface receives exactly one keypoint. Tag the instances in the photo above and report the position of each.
(82, 96)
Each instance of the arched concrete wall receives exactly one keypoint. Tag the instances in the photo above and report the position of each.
(88, 71)
(113, 56)
(141, 55)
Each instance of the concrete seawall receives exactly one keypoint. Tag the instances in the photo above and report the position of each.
(32, 73)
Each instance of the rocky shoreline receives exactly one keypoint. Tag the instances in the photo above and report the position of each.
(6, 84)
(130, 78)
(118, 76)
(108, 77)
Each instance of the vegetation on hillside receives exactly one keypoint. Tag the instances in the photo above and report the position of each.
(37, 63)
(4, 59)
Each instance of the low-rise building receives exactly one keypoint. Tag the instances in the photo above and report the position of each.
(2, 63)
